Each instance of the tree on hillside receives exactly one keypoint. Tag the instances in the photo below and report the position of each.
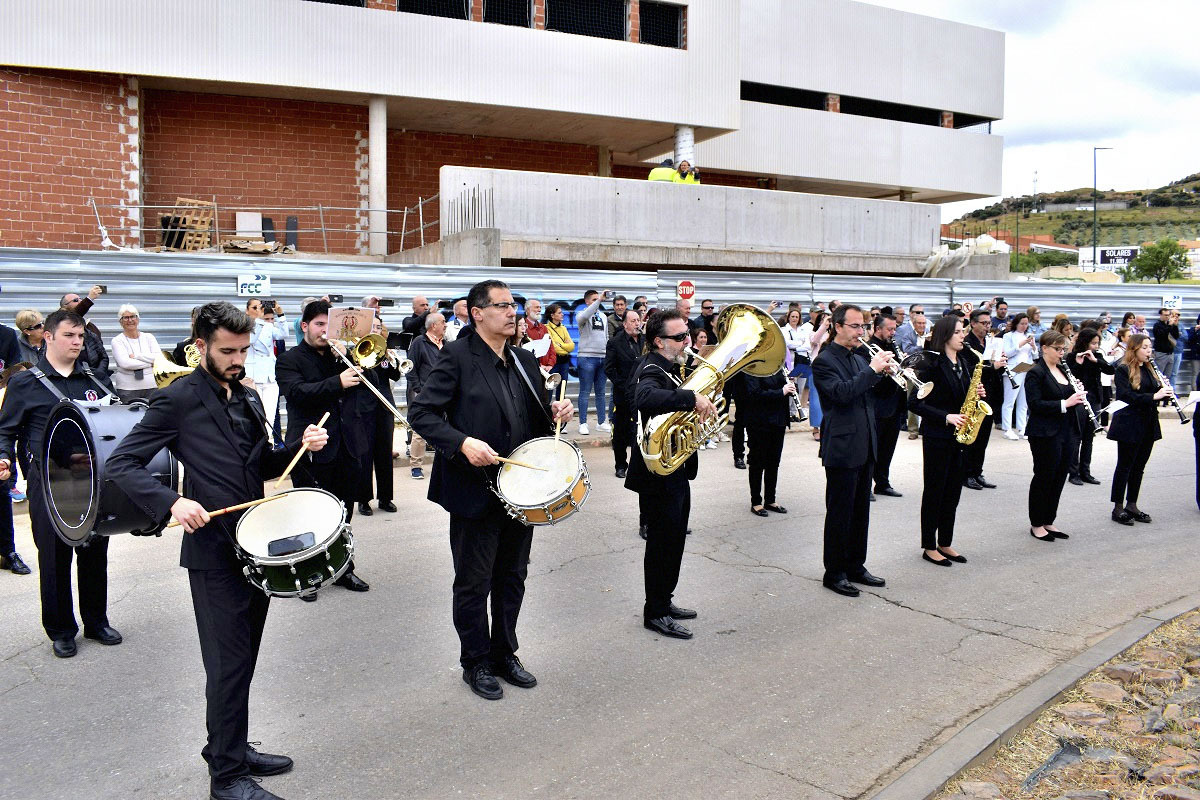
(1161, 261)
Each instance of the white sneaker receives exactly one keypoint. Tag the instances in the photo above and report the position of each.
(604, 426)
(712, 444)
(1012, 435)
(583, 429)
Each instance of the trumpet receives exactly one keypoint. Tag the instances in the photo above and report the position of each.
(901, 374)
(1174, 398)
(552, 379)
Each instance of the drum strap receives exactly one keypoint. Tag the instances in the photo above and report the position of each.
(525, 377)
(52, 389)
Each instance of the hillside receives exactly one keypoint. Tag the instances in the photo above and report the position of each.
(1168, 212)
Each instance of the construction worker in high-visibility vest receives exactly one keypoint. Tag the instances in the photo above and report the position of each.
(665, 171)
(685, 174)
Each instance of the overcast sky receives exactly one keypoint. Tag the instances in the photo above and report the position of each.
(1084, 73)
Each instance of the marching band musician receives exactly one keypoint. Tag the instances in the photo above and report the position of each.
(378, 425)
(664, 500)
(621, 355)
(31, 395)
(944, 457)
(1135, 427)
(484, 398)
(217, 428)
(890, 411)
(1086, 363)
(1051, 427)
(315, 381)
(980, 341)
(765, 404)
(844, 379)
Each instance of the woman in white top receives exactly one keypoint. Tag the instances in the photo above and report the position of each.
(134, 352)
(1019, 348)
(269, 327)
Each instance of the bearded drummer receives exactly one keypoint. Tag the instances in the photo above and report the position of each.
(482, 399)
(217, 428)
(31, 395)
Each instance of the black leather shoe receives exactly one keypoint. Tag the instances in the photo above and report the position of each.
(971, 483)
(388, 506)
(105, 635)
(514, 672)
(740, 463)
(365, 509)
(263, 764)
(243, 788)
(888, 491)
(1123, 518)
(1076, 480)
(842, 586)
(642, 530)
(310, 598)
(778, 509)
(867, 579)
(955, 559)
(688, 532)
(14, 564)
(758, 512)
(353, 582)
(984, 482)
(872, 497)
(667, 627)
(681, 613)
(483, 682)
(1049, 537)
(1138, 516)
(1090, 479)
(65, 648)
(943, 562)
(620, 472)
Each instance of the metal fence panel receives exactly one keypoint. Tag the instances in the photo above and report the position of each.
(1080, 301)
(870, 290)
(724, 287)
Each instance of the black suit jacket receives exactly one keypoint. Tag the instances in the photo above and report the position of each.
(949, 392)
(654, 393)
(311, 382)
(10, 347)
(1139, 420)
(361, 409)
(621, 356)
(889, 397)
(1044, 396)
(187, 418)
(844, 380)
(423, 353)
(461, 398)
(763, 403)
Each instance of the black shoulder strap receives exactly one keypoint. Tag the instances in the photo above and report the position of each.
(50, 387)
(87, 370)
(525, 377)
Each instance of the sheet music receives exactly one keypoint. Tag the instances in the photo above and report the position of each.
(539, 347)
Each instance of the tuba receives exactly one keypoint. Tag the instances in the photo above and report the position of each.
(974, 409)
(750, 341)
(166, 371)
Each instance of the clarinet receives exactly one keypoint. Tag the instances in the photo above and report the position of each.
(1097, 425)
(1174, 398)
(793, 399)
(1008, 373)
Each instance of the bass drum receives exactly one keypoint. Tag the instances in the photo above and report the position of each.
(82, 502)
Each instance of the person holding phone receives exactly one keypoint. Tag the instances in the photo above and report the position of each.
(94, 353)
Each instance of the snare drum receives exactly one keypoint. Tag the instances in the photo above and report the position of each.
(294, 546)
(82, 501)
(544, 498)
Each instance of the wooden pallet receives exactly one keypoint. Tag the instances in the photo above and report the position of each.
(190, 225)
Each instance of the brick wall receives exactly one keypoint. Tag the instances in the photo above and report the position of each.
(250, 151)
(68, 137)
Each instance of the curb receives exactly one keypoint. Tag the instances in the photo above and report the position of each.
(985, 734)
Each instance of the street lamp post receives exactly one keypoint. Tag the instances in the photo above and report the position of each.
(1095, 212)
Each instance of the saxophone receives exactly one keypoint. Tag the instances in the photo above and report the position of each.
(974, 409)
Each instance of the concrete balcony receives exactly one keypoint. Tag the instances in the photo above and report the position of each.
(551, 219)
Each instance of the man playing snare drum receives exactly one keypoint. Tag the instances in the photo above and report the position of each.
(482, 399)
(217, 428)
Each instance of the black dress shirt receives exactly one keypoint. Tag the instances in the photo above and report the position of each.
(237, 409)
(517, 427)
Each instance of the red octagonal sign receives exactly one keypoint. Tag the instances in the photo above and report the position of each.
(685, 290)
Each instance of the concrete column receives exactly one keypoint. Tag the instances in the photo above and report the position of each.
(377, 174)
(947, 119)
(685, 144)
(833, 102)
(604, 161)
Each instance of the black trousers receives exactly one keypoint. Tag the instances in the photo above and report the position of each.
(739, 436)
(491, 557)
(887, 431)
(1051, 461)
(977, 451)
(666, 516)
(623, 435)
(847, 518)
(381, 460)
(945, 460)
(766, 449)
(230, 615)
(8, 541)
(54, 572)
(1131, 466)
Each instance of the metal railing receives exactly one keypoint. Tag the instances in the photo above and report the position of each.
(473, 208)
(419, 212)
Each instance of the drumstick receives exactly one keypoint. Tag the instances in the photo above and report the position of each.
(520, 464)
(562, 393)
(175, 523)
(300, 452)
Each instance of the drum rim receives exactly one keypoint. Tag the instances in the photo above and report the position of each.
(343, 527)
(69, 410)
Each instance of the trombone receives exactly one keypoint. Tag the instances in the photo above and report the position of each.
(367, 351)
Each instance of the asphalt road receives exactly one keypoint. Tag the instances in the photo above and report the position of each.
(787, 690)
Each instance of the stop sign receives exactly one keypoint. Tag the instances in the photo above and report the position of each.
(685, 290)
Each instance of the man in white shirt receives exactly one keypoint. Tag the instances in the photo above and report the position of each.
(269, 327)
(457, 322)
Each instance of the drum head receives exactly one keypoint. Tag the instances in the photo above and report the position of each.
(528, 487)
(300, 511)
(71, 480)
